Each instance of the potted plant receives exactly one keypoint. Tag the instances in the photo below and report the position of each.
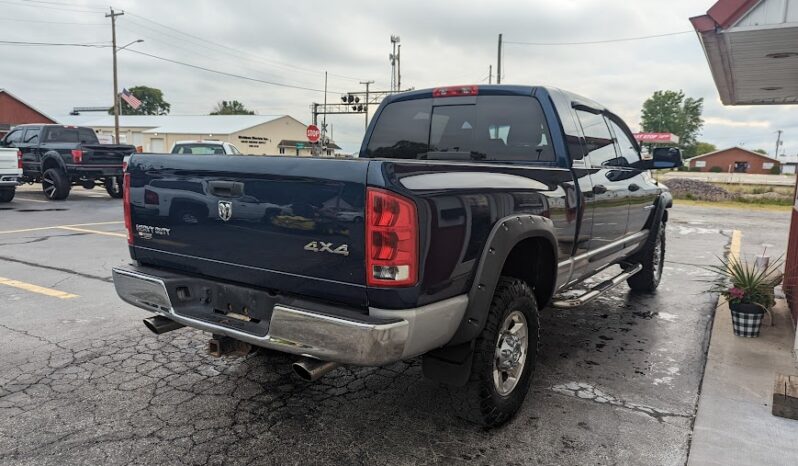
(749, 291)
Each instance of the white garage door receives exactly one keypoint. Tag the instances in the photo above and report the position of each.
(156, 145)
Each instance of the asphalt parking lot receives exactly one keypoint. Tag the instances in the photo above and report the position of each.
(83, 382)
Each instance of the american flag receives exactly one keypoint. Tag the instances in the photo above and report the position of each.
(128, 97)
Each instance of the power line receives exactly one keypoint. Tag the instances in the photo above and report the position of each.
(226, 47)
(55, 44)
(606, 41)
(224, 73)
(20, 20)
(77, 10)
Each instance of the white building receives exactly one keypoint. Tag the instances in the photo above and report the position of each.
(252, 134)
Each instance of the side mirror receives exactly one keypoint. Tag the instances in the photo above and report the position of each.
(661, 157)
(667, 157)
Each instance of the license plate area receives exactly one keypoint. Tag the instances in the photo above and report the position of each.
(241, 308)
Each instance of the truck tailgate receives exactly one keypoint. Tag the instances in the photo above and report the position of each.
(8, 161)
(109, 154)
(290, 224)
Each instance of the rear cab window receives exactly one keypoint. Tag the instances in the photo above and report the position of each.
(56, 134)
(199, 149)
(495, 128)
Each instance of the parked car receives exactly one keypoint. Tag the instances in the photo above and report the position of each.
(205, 147)
(477, 206)
(10, 172)
(62, 156)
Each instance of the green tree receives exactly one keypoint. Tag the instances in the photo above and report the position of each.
(152, 102)
(673, 112)
(231, 107)
(699, 148)
(761, 151)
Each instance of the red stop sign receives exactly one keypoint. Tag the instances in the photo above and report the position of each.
(313, 133)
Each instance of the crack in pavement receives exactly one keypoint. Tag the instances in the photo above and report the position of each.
(58, 269)
(588, 392)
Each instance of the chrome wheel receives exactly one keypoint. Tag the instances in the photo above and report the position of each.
(512, 347)
(48, 185)
(659, 259)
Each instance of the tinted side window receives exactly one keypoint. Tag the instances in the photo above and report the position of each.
(31, 136)
(513, 129)
(626, 146)
(402, 131)
(14, 137)
(61, 134)
(598, 139)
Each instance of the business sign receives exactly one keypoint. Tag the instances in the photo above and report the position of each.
(657, 138)
(313, 133)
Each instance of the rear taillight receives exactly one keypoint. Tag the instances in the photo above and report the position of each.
(391, 239)
(455, 91)
(77, 155)
(151, 197)
(19, 159)
(126, 206)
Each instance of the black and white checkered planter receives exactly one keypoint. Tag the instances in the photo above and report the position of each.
(746, 319)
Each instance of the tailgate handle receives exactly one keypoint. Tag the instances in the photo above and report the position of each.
(226, 188)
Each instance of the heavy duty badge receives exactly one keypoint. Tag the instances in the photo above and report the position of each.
(225, 210)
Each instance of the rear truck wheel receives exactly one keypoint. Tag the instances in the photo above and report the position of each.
(114, 186)
(7, 194)
(504, 357)
(652, 257)
(55, 184)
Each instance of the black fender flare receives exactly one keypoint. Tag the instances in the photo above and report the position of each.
(52, 155)
(504, 236)
(663, 203)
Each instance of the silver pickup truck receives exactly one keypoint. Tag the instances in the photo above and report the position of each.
(10, 172)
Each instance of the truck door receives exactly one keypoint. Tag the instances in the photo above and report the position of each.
(29, 147)
(609, 196)
(642, 191)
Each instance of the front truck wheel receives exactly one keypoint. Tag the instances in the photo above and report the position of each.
(7, 194)
(652, 257)
(504, 357)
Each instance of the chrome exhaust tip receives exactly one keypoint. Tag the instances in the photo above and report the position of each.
(312, 370)
(161, 324)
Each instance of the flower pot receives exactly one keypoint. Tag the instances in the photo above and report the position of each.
(747, 319)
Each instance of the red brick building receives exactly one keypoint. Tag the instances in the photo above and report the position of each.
(734, 160)
(14, 111)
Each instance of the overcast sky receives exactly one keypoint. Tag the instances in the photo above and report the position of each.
(443, 42)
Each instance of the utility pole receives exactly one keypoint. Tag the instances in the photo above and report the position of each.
(323, 142)
(778, 143)
(366, 106)
(113, 16)
(490, 74)
(399, 68)
(393, 59)
(499, 62)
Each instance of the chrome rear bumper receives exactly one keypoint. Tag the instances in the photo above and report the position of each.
(382, 337)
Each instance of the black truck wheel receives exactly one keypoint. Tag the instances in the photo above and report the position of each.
(114, 186)
(504, 357)
(7, 194)
(55, 184)
(652, 257)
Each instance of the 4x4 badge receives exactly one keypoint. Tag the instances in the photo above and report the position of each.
(321, 246)
(225, 210)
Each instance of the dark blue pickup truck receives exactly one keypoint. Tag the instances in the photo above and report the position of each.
(468, 210)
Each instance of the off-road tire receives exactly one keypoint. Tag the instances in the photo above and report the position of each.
(479, 401)
(647, 280)
(7, 194)
(55, 184)
(113, 186)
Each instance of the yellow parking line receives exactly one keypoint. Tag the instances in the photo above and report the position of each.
(96, 232)
(735, 245)
(37, 289)
(26, 230)
(31, 200)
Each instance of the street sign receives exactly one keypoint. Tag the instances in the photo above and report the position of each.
(300, 145)
(313, 133)
(657, 138)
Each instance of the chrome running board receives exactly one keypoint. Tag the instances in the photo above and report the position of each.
(602, 287)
